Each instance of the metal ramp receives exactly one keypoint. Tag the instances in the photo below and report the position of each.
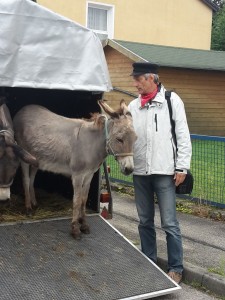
(41, 260)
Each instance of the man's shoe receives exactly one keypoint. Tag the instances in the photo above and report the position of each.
(177, 277)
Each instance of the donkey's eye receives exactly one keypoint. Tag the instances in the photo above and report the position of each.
(119, 140)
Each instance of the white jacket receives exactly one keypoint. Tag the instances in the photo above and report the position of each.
(154, 149)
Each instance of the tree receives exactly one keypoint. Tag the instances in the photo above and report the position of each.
(218, 30)
(218, 3)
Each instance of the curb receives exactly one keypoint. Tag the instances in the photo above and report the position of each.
(194, 274)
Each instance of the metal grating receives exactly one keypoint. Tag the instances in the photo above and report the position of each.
(41, 260)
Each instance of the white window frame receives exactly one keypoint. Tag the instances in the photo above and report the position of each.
(110, 17)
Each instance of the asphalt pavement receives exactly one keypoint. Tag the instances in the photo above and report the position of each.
(203, 242)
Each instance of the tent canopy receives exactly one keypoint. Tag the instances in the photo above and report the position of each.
(41, 49)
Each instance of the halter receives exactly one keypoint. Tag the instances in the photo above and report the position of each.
(109, 148)
(4, 131)
(7, 131)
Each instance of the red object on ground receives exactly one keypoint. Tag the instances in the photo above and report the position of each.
(105, 213)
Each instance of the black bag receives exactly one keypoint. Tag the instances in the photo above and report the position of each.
(186, 186)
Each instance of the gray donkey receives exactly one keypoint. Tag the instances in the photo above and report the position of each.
(75, 148)
(10, 152)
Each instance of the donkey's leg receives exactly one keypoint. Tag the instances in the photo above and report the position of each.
(26, 182)
(77, 201)
(85, 190)
(33, 172)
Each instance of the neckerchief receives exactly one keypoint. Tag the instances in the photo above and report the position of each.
(148, 97)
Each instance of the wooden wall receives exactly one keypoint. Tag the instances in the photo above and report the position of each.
(203, 92)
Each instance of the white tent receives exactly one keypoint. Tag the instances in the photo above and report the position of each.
(41, 49)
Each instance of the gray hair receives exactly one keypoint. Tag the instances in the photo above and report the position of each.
(156, 77)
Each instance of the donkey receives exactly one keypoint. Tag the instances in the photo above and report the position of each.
(10, 152)
(75, 148)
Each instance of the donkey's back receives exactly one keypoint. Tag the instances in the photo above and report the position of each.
(54, 140)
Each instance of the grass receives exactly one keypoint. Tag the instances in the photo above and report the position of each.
(208, 167)
(219, 270)
(198, 286)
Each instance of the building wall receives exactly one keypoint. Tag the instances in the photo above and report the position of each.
(201, 91)
(178, 23)
(72, 9)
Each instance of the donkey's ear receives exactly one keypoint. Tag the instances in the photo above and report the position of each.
(5, 116)
(107, 109)
(124, 108)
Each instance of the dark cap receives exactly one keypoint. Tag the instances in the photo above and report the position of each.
(140, 68)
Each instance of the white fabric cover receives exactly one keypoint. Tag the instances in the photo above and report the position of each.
(41, 49)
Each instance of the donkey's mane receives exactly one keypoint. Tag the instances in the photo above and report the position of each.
(96, 118)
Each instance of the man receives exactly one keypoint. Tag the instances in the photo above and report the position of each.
(158, 166)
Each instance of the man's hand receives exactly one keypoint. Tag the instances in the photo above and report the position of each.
(179, 178)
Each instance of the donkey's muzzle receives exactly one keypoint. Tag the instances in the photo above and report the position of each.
(4, 194)
(127, 171)
(126, 164)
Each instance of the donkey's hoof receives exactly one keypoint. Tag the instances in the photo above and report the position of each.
(29, 212)
(35, 207)
(85, 228)
(76, 233)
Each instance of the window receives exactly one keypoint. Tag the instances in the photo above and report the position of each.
(100, 18)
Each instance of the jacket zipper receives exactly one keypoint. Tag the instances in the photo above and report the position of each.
(156, 124)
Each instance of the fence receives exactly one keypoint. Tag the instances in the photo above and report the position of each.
(207, 166)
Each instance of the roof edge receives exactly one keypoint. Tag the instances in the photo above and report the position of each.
(120, 48)
(166, 46)
(212, 5)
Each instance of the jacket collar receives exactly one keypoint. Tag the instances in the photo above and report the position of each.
(159, 98)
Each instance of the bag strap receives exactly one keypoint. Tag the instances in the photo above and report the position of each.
(167, 96)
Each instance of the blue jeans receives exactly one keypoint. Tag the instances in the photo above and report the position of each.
(164, 188)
